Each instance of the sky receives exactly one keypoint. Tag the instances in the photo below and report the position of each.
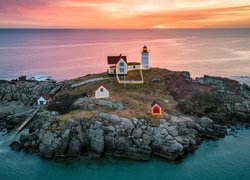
(124, 14)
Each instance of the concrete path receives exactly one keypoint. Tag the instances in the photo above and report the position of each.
(88, 81)
(20, 128)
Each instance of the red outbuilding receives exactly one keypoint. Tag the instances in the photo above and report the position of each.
(156, 109)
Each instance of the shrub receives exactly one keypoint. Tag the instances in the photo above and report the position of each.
(62, 104)
(200, 104)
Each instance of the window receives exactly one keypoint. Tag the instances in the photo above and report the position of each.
(101, 89)
(122, 64)
(122, 70)
(134, 67)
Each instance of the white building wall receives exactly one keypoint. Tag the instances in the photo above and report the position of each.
(41, 101)
(111, 70)
(134, 67)
(121, 67)
(101, 92)
(144, 60)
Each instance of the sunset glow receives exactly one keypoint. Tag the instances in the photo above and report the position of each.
(140, 14)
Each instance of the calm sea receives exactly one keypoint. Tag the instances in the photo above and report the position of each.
(65, 54)
(225, 159)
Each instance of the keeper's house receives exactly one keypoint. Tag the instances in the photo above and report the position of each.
(119, 65)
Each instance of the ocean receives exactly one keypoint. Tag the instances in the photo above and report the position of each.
(66, 54)
(225, 159)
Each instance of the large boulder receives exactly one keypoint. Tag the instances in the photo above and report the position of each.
(53, 143)
(96, 138)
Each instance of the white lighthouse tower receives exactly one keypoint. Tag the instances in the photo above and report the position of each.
(144, 58)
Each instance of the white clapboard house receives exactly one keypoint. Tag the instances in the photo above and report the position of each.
(118, 65)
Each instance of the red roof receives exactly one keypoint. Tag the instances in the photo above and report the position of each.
(46, 96)
(102, 85)
(116, 59)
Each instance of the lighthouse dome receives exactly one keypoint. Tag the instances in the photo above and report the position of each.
(145, 49)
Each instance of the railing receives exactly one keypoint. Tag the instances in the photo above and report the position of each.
(131, 81)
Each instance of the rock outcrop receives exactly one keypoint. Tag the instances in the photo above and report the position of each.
(120, 137)
(194, 110)
(24, 91)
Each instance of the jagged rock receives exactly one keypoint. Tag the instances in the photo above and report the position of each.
(91, 107)
(137, 133)
(120, 138)
(205, 122)
(53, 143)
(172, 130)
(103, 115)
(183, 121)
(15, 119)
(16, 146)
(96, 135)
(56, 89)
(79, 101)
(104, 103)
(114, 118)
(155, 80)
(24, 91)
(74, 147)
(126, 123)
(22, 78)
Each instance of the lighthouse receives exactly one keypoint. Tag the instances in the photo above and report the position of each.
(144, 58)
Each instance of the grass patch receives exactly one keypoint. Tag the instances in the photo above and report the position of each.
(77, 115)
(138, 97)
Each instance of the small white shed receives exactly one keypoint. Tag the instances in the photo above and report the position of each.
(102, 92)
(44, 99)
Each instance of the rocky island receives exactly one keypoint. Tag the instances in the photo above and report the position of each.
(74, 123)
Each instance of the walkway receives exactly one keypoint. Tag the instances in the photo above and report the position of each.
(20, 128)
(88, 81)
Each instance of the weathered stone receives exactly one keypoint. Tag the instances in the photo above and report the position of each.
(172, 131)
(16, 146)
(96, 135)
(103, 115)
(104, 103)
(137, 133)
(114, 118)
(155, 80)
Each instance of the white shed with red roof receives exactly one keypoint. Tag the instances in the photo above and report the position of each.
(102, 92)
(44, 99)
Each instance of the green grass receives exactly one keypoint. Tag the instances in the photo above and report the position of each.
(138, 98)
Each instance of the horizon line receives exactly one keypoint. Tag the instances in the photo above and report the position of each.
(13, 28)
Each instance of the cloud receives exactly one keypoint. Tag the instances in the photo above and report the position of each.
(124, 13)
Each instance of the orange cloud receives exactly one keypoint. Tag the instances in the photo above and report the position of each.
(124, 13)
